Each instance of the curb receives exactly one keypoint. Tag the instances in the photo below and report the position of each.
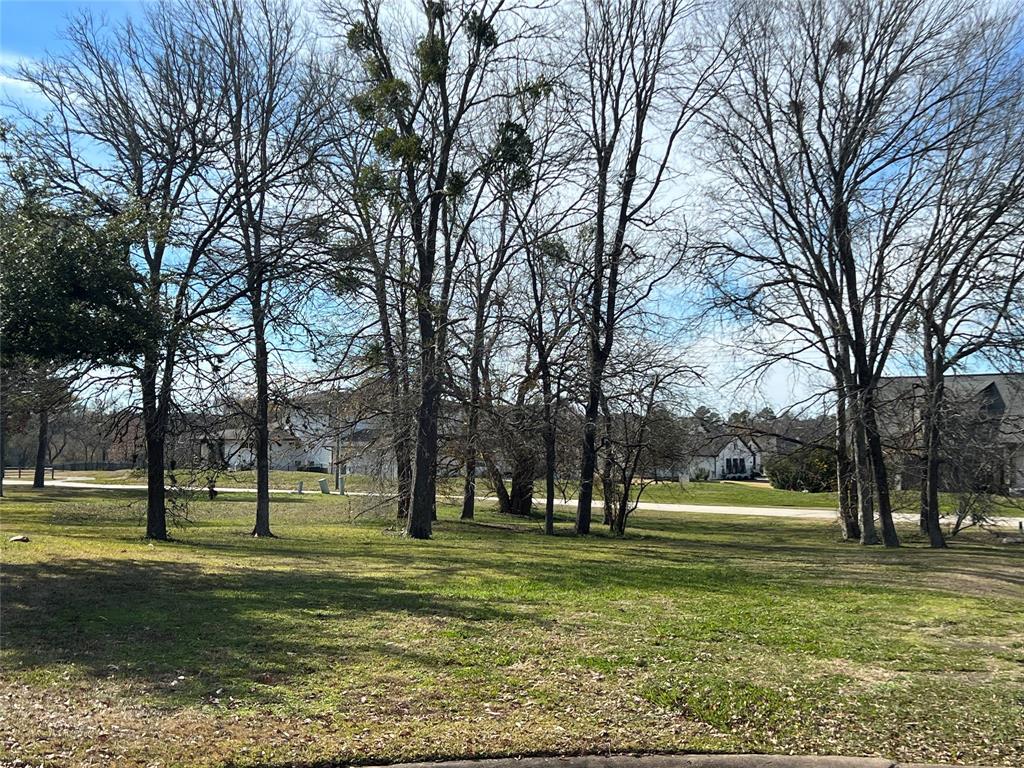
(677, 761)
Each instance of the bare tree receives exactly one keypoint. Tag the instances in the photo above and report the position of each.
(379, 232)
(536, 195)
(971, 302)
(277, 109)
(640, 78)
(645, 388)
(130, 126)
(554, 332)
(425, 98)
(488, 253)
(832, 124)
(372, 254)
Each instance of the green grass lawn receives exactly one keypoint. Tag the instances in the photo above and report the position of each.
(242, 478)
(763, 495)
(343, 641)
(714, 493)
(736, 494)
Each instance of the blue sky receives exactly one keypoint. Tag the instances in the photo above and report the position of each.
(29, 28)
(32, 28)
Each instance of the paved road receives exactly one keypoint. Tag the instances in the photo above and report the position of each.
(808, 513)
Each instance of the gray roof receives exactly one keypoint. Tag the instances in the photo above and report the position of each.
(998, 396)
(712, 445)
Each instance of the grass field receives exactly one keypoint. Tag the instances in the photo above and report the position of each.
(243, 478)
(693, 493)
(763, 495)
(736, 494)
(714, 493)
(344, 641)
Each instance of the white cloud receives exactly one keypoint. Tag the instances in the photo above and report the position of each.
(11, 60)
(12, 88)
(733, 383)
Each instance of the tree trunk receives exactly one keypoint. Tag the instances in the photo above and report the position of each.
(550, 436)
(550, 449)
(424, 480)
(922, 518)
(504, 500)
(523, 470)
(402, 439)
(880, 474)
(403, 466)
(867, 450)
(848, 498)
(398, 385)
(433, 473)
(933, 453)
(472, 428)
(550, 456)
(845, 474)
(610, 498)
(931, 492)
(608, 491)
(862, 471)
(469, 487)
(925, 462)
(156, 508)
(522, 497)
(588, 462)
(621, 513)
(156, 433)
(262, 426)
(42, 448)
(550, 404)
(588, 449)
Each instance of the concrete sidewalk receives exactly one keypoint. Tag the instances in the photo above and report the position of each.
(807, 513)
(679, 761)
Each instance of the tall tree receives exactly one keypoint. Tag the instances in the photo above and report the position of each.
(554, 332)
(828, 139)
(972, 297)
(540, 194)
(130, 127)
(277, 111)
(640, 77)
(519, 169)
(370, 220)
(426, 98)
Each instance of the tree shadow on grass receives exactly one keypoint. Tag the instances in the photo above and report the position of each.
(727, 555)
(152, 621)
(275, 611)
(798, 551)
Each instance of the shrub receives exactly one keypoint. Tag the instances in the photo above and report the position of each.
(809, 469)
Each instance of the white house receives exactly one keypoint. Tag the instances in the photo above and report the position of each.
(723, 457)
(298, 440)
